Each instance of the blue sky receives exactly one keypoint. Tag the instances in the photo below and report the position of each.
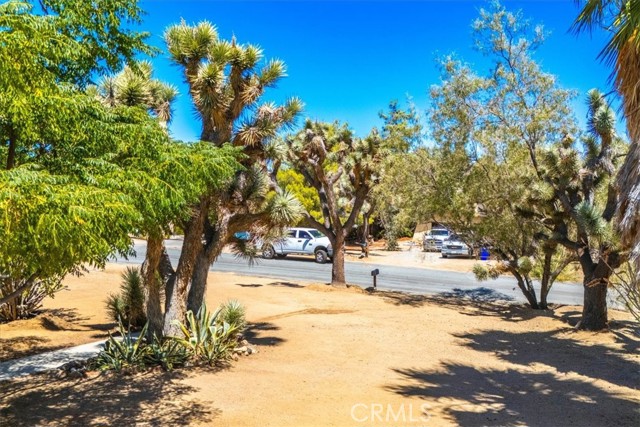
(347, 59)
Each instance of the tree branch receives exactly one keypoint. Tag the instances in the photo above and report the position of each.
(13, 295)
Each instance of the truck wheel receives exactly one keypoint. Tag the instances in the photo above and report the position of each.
(321, 256)
(444, 256)
(268, 252)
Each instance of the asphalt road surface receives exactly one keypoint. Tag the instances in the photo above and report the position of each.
(406, 279)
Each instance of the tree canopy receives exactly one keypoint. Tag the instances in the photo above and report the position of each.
(79, 176)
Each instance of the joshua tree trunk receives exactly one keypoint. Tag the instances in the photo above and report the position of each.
(216, 240)
(365, 227)
(177, 307)
(596, 281)
(524, 283)
(594, 310)
(337, 268)
(198, 282)
(366, 215)
(177, 291)
(544, 291)
(545, 282)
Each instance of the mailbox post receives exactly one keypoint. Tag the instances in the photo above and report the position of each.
(374, 274)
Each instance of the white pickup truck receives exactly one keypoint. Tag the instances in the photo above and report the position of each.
(434, 238)
(304, 241)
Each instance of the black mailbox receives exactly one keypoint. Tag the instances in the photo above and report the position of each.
(374, 274)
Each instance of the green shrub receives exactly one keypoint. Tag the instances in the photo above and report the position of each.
(29, 302)
(488, 271)
(127, 352)
(208, 337)
(128, 306)
(168, 353)
(233, 312)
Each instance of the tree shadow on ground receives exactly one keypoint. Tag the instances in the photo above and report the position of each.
(68, 314)
(627, 335)
(571, 317)
(150, 399)
(565, 354)
(285, 284)
(486, 397)
(15, 348)
(257, 333)
(472, 302)
(249, 285)
(480, 294)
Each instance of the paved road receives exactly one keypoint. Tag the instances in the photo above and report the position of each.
(406, 279)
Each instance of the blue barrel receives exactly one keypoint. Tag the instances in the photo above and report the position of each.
(484, 254)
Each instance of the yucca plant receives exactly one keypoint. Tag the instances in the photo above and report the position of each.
(233, 312)
(129, 304)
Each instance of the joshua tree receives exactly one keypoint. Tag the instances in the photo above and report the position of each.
(337, 165)
(135, 87)
(622, 20)
(226, 81)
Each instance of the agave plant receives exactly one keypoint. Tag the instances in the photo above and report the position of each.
(128, 352)
(207, 336)
(167, 353)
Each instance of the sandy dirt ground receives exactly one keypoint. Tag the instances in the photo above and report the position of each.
(343, 358)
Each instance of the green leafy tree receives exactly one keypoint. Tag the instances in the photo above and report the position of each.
(401, 134)
(55, 217)
(101, 29)
(479, 175)
(79, 177)
(509, 137)
(337, 165)
(292, 181)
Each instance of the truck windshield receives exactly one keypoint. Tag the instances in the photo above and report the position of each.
(439, 232)
(315, 233)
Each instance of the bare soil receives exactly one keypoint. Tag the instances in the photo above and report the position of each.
(330, 357)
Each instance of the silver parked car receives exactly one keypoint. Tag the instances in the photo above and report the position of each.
(304, 241)
(455, 245)
(433, 239)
